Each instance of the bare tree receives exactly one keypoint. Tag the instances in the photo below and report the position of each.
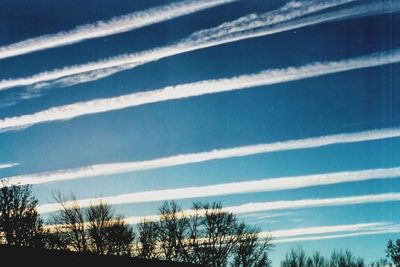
(93, 229)
(264, 261)
(345, 259)
(194, 240)
(208, 235)
(383, 262)
(20, 222)
(295, 258)
(338, 258)
(147, 246)
(120, 237)
(71, 223)
(251, 250)
(219, 235)
(316, 260)
(173, 232)
(99, 219)
(56, 240)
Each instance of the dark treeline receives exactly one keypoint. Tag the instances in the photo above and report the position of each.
(208, 235)
(338, 258)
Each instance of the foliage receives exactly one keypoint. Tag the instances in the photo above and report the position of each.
(393, 251)
(20, 223)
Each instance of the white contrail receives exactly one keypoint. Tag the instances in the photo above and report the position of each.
(389, 230)
(313, 203)
(284, 205)
(267, 77)
(264, 185)
(109, 27)
(328, 229)
(7, 165)
(320, 232)
(286, 18)
(80, 78)
(199, 40)
(282, 19)
(124, 167)
(331, 232)
(276, 206)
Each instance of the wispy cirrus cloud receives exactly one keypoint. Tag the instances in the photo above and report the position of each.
(112, 26)
(124, 167)
(292, 15)
(80, 78)
(8, 165)
(289, 17)
(263, 185)
(267, 77)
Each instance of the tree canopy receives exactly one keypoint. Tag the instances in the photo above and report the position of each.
(20, 222)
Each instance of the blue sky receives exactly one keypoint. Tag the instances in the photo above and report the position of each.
(289, 37)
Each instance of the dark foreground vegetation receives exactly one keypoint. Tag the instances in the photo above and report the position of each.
(18, 255)
(208, 236)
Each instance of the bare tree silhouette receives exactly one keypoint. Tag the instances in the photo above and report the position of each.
(173, 232)
(56, 240)
(99, 220)
(147, 245)
(208, 235)
(295, 258)
(94, 229)
(345, 259)
(251, 250)
(220, 234)
(71, 223)
(119, 237)
(383, 262)
(298, 258)
(316, 260)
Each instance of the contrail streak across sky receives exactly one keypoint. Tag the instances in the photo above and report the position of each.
(112, 26)
(264, 185)
(281, 20)
(114, 168)
(267, 77)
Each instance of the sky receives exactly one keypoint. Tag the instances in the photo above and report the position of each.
(284, 111)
